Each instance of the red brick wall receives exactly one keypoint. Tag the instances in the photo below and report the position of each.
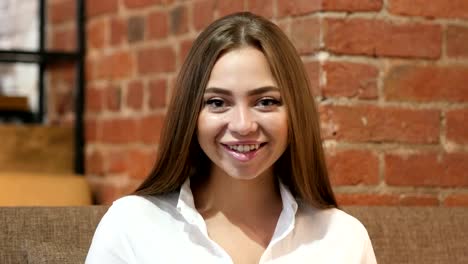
(391, 78)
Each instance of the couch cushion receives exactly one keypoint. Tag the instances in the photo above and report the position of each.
(26, 231)
(399, 234)
(416, 234)
(52, 253)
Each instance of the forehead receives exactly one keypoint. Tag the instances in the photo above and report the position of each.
(241, 69)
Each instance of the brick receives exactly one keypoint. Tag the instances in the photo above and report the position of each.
(460, 199)
(367, 199)
(184, 49)
(61, 11)
(352, 5)
(91, 130)
(156, 60)
(313, 71)
(135, 95)
(352, 167)
(120, 130)
(116, 161)
(153, 125)
(113, 98)
(62, 77)
(62, 101)
(140, 163)
(135, 162)
(457, 39)
(457, 128)
(284, 25)
(91, 72)
(62, 72)
(380, 124)
(157, 25)
(171, 81)
(94, 163)
(95, 8)
(305, 34)
(419, 200)
(107, 192)
(374, 37)
(203, 13)
(229, 7)
(427, 169)
(119, 30)
(136, 29)
(298, 7)
(116, 65)
(157, 93)
(261, 7)
(456, 170)
(178, 20)
(437, 8)
(346, 79)
(132, 4)
(64, 39)
(94, 100)
(131, 186)
(427, 83)
(96, 31)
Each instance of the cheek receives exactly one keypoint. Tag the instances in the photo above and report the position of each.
(208, 127)
(277, 127)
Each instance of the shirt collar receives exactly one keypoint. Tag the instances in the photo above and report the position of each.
(286, 221)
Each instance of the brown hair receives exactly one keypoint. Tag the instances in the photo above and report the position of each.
(302, 167)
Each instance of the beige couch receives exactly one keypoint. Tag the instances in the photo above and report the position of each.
(399, 235)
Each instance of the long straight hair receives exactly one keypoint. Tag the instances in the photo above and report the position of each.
(301, 167)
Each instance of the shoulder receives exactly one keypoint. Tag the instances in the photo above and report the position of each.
(337, 229)
(130, 225)
(132, 217)
(333, 222)
(138, 208)
(344, 222)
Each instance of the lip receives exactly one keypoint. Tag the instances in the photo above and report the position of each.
(247, 142)
(243, 157)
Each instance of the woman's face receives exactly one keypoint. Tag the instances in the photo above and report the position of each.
(243, 126)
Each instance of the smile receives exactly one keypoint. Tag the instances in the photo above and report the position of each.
(243, 152)
(244, 148)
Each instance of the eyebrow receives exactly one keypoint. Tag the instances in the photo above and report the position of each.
(256, 91)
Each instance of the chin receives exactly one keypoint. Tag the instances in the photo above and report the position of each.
(244, 174)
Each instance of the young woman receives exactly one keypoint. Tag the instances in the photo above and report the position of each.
(241, 176)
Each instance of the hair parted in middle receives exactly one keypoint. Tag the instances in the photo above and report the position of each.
(301, 167)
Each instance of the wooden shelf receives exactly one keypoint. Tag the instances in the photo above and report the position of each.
(14, 103)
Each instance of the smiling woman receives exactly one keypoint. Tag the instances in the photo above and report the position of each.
(241, 176)
(242, 127)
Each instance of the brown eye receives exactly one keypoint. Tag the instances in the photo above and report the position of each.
(267, 103)
(215, 103)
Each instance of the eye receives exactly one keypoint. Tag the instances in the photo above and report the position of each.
(216, 104)
(268, 103)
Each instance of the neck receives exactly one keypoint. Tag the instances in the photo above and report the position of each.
(221, 193)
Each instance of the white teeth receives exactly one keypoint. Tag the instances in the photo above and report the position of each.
(244, 148)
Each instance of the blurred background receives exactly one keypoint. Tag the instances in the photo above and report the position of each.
(84, 87)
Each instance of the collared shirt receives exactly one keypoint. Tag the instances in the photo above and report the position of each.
(169, 229)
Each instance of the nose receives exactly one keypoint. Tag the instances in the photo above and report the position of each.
(242, 121)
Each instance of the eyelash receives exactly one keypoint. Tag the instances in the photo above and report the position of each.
(271, 102)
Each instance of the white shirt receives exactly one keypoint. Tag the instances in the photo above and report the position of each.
(168, 229)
